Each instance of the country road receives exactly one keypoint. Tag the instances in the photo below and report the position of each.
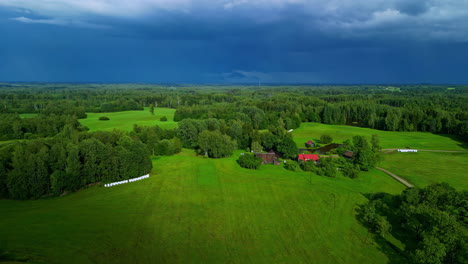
(407, 184)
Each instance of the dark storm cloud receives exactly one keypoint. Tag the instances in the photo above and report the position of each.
(235, 41)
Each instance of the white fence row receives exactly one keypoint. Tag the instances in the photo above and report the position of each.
(126, 181)
(407, 150)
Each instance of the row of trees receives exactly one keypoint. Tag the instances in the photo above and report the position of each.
(431, 221)
(12, 126)
(68, 162)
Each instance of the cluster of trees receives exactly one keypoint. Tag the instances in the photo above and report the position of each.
(68, 162)
(218, 138)
(431, 221)
(159, 142)
(12, 126)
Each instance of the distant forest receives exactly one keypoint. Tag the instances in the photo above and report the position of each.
(56, 154)
(428, 108)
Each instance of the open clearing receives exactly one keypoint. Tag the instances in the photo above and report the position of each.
(424, 168)
(197, 210)
(126, 119)
(388, 139)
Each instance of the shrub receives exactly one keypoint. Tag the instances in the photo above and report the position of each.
(163, 119)
(104, 118)
(249, 161)
(291, 165)
(325, 139)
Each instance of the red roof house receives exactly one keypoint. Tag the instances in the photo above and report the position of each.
(306, 157)
(310, 144)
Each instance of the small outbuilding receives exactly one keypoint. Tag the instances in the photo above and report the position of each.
(269, 158)
(348, 154)
(310, 144)
(307, 157)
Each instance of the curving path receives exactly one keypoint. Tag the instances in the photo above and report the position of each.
(407, 184)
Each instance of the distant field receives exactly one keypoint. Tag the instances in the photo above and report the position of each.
(198, 210)
(388, 139)
(424, 168)
(27, 115)
(125, 120)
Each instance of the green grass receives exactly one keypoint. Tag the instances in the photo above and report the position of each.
(199, 210)
(125, 120)
(28, 115)
(424, 168)
(388, 139)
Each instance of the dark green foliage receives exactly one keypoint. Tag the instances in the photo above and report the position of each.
(69, 162)
(287, 148)
(249, 161)
(326, 139)
(163, 119)
(308, 165)
(432, 219)
(350, 170)
(215, 145)
(104, 118)
(291, 165)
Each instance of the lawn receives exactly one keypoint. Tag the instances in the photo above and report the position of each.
(388, 139)
(424, 168)
(198, 210)
(125, 120)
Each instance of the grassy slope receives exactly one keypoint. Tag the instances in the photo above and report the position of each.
(424, 168)
(125, 120)
(388, 139)
(196, 210)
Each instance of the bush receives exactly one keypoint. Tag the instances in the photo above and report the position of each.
(249, 161)
(291, 165)
(163, 119)
(104, 118)
(325, 139)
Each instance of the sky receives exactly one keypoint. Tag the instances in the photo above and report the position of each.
(235, 41)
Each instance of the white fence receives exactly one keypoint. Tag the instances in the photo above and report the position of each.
(126, 181)
(407, 150)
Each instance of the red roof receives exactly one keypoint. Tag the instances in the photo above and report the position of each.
(306, 157)
(310, 142)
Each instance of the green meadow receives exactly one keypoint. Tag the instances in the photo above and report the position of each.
(126, 119)
(388, 139)
(424, 168)
(198, 210)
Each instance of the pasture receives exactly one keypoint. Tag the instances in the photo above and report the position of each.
(388, 139)
(424, 168)
(198, 210)
(126, 119)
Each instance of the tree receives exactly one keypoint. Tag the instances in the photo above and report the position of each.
(215, 144)
(431, 251)
(256, 147)
(249, 161)
(287, 148)
(325, 139)
(151, 109)
(375, 143)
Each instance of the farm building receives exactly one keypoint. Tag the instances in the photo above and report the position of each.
(348, 154)
(307, 157)
(310, 144)
(268, 158)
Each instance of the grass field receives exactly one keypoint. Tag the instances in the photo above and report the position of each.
(388, 139)
(424, 168)
(27, 115)
(125, 120)
(197, 210)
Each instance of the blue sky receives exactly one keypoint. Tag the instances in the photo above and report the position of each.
(234, 41)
